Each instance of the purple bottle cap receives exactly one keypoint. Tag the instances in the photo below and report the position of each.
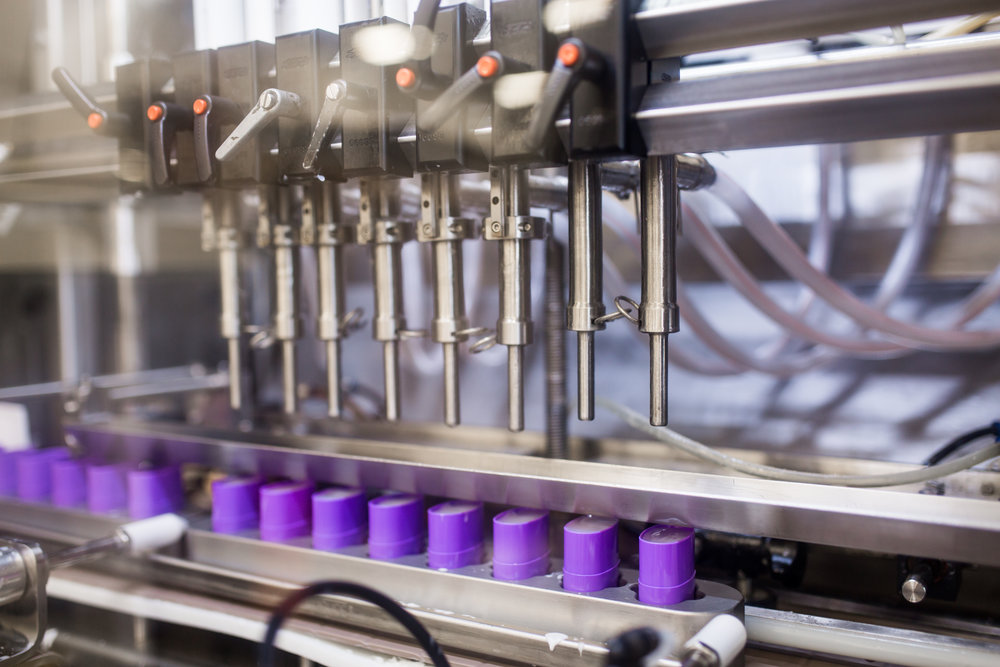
(153, 491)
(666, 564)
(8, 472)
(454, 534)
(69, 483)
(590, 554)
(107, 490)
(34, 473)
(520, 544)
(340, 518)
(285, 510)
(236, 504)
(395, 526)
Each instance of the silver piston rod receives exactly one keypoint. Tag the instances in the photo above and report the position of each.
(222, 211)
(441, 226)
(331, 234)
(379, 226)
(586, 289)
(511, 224)
(276, 207)
(658, 305)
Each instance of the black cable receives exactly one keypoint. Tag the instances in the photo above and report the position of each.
(993, 430)
(390, 606)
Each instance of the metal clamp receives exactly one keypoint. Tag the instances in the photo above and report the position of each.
(624, 307)
(447, 229)
(385, 231)
(335, 234)
(514, 227)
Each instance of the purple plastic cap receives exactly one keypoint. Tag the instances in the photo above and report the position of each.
(106, 487)
(236, 504)
(340, 518)
(69, 483)
(454, 534)
(153, 491)
(395, 526)
(8, 472)
(285, 510)
(666, 564)
(590, 554)
(34, 473)
(520, 544)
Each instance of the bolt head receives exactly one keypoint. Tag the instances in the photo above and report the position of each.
(268, 100)
(914, 590)
(495, 227)
(525, 227)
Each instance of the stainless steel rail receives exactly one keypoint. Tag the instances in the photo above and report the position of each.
(684, 28)
(887, 521)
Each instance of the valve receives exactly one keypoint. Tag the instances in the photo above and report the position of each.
(574, 62)
(488, 69)
(102, 122)
(166, 118)
(272, 104)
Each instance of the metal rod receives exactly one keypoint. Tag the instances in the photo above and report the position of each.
(88, 551)
(330, 236)
(289, 381)
(390, 361)
(235, 374)
(451, 396)
(555, 352)
(335, 400)
(515, 387)
(586, 287)
(658, 305)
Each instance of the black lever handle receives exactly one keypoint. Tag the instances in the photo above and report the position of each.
(166, 118)
(104, 123)
(574, 61)
(490, 67)
(417, 77)
(210, 113)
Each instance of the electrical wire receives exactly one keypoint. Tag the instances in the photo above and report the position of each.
(993, 430)
(706, 453)
(390, 606)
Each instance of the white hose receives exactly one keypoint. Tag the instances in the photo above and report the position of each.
(706, 453)
(788, 255)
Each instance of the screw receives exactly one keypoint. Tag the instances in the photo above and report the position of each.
(525, 227)
(495, 227)
(427, 230)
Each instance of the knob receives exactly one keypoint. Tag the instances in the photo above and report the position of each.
(334, 103)
(210, 112)
(574, 61)
(490, 67)
(272, 104)
(417, 77)
(914, 589)
(104, 123)
(166, 118)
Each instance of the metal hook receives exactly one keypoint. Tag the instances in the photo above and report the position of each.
(624, 307)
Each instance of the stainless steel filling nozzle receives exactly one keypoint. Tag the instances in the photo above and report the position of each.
(441, 226)
(658, 306)
(586, 287)
(331, 234)
(511, 224)
(379, 226)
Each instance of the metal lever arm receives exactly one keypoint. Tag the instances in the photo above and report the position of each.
(417, 76)
(104, 123)
(334, 103)
(272, 104)
(490, 67)
(574, 61)
(166, 118)
(210, 112)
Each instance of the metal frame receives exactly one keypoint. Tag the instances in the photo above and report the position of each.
(886, 521)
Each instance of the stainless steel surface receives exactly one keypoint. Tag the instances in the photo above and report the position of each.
(13, 574)
(586, 285)
(686, 28)
(556, 445)
(658, 306)
(875, 93)
(227, 243)
(390, 378)
(895, 521)
(88, 551)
